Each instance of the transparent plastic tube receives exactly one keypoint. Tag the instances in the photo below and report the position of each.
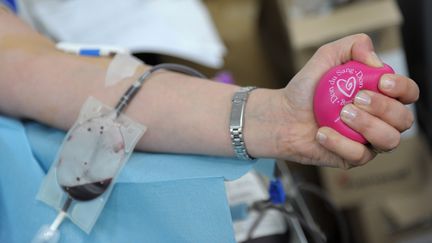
(92, 155)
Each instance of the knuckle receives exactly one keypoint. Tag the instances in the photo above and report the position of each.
(416, 91)
(357, 158)
(409, 120)
(345, 165)
(365, 126)
(325, 49)
(362, 37)
(384, 108)
(393, 141)
(365, 157)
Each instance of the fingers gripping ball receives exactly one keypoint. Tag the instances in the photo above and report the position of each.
(338, 87)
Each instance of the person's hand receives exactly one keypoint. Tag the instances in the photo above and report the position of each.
(380, 122)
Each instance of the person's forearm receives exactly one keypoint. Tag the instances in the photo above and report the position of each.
(183, 114)
(190, 115)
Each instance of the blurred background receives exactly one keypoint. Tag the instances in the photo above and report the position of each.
(264, 43)
(268, 41)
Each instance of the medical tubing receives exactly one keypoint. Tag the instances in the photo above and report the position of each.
(59, 219)
(135, 87)
(316, 233)
(51, 234)
(121, 105)
(319, 193)
(67, 204)
(255, 225)
(62, 214)
(262, 206)
(340, 219)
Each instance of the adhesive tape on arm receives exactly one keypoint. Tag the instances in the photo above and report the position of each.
(121, 67)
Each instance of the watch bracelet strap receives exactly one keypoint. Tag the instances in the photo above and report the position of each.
(237, 121)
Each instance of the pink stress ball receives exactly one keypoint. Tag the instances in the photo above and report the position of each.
(339, 87)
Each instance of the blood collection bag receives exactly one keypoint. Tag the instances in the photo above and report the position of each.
(92, 154)
(88, 162)
(90, 158)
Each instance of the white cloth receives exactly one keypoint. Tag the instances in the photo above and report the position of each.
(181, 28)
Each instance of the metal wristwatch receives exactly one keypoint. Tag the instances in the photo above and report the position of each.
(237, 120)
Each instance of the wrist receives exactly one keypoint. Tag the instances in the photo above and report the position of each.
(262, 121)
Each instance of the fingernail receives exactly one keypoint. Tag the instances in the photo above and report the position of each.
(321, 137)
(348, 112)
(374, 60)
(362, 98)
(387, 84)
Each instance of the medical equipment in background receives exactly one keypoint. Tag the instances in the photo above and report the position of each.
(287, 197)
(91, 50)
(92, 154)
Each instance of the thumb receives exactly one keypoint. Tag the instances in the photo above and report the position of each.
(362, 50)
(373, 60)
(357, 47)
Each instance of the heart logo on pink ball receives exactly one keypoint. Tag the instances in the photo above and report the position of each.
(347, 87)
